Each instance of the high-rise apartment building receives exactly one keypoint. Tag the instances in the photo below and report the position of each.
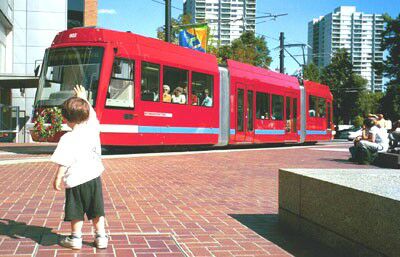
(227, 19)
(357, 32)
(27, 28)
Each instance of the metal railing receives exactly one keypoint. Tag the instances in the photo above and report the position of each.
(9, 122)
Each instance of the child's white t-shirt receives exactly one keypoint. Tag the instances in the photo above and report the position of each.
(80, 151)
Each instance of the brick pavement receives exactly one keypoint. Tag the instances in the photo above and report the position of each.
(160, 206)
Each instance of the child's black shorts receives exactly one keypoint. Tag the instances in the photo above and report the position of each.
(85, 198)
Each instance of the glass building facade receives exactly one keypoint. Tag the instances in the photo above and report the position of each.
(76, 10)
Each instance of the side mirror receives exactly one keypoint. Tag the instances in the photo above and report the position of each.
(36, 71)
(117, 68)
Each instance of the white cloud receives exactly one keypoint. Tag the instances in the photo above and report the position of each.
(107, 11)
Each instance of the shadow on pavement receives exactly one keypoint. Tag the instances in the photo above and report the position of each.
(32, 149)
(337, 160)
(16, 230)
(267, 226)
(110, 150)
(41, 235)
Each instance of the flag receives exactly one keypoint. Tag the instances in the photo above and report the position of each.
(194, 37)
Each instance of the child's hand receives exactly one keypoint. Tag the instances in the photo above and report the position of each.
(57, 184)
(80, 91)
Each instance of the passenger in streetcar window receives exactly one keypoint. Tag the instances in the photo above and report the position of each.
(166, 94)
(178, 97)
(207, 101)
(155, 94)
(195, 99)
(184, 87)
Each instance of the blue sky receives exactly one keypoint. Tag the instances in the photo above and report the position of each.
(145, 16)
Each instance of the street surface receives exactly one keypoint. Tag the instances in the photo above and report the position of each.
(218, 203)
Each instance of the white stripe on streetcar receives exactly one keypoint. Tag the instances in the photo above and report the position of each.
(111, 128)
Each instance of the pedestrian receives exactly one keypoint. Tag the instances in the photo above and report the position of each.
(381, 122)
(373, 140)
(78, 155)
(394, 136)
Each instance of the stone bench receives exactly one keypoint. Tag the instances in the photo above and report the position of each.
(355, 211)
(388, 160)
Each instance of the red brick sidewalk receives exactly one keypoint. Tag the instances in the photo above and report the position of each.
(157, 205)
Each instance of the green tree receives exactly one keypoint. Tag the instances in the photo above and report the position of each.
(249, 48)
(183, 19)
(390, 103)
(391, 42)
(345, 85)
(390, 68)
(311, 72)
(368, 102)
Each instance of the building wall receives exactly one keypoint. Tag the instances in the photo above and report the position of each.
(27, 28)
(90, 16)
(227, 19)
(6, 25)
(36, 23)
(354, 31)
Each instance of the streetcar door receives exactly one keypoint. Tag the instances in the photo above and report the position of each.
(244, 113)
(240, 114)
(118, 114)
(291, 118)
(249, 117)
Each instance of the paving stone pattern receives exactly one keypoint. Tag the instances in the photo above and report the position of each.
(152, 201)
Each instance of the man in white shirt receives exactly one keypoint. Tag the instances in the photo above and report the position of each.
(378, 140)
(78, 155)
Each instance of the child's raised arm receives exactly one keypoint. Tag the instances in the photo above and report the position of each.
(81, 93)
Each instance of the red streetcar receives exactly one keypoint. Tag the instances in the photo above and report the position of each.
(147, 92)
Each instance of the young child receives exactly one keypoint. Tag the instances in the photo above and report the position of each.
(78, 155)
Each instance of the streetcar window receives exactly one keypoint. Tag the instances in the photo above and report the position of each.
(250, 110)
(277, 107)
(150, 82)
(66, 67)
(321, 108)
(262, 106)
(317, 106)
(329, 116)
(202, 89)
(312, 106)
(294, 114)
(240, 110)
(176, 80)
(287, 108)
(121, 89)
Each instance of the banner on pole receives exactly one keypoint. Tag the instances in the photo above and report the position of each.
(194, 37)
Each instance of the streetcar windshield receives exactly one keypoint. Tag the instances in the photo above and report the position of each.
(63, 69)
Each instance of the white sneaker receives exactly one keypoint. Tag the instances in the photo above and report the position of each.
(101, 242)
(71, 242)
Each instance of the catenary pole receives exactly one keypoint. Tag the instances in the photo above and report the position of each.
(167, 20)
(282, 54)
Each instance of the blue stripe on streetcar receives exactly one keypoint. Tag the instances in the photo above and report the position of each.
(177, 130)
(191, 130)
(269, 132)
(316, 132)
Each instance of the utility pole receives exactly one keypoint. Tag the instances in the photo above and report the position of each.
(168, 21)
(282, 54)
